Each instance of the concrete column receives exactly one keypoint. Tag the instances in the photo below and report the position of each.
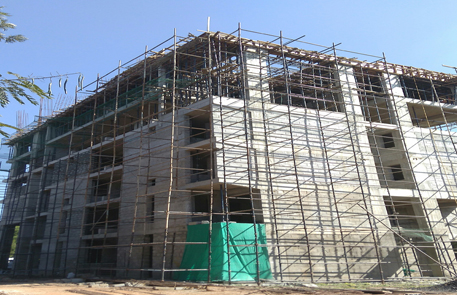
(258, 92)
(397, 95)
(359, 133)
(256, 69)
(349, 94)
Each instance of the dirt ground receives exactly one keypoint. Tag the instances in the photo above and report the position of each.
(56, 287)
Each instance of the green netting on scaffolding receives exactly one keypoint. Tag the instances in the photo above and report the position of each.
(151, 92)
(415, 233)
(243, 262)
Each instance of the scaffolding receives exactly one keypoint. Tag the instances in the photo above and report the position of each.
(344, 167)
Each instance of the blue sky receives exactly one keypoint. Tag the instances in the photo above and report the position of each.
(91, 36)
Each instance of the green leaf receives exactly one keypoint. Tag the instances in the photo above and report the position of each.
(17, 87)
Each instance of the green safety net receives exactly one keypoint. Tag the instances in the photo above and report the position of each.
(243, 262)
(415, 233)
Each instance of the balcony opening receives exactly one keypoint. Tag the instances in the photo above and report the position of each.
(397, 173)
(102, 219)
(102, 256)
(23, 147)
(63, 222)
(388, 140)
(103, 189)
(58, 257)
(150, 208)
(22, 167)
(34, 262)
(239, 207)
(106, 157)
(374, 99)
(310, 86)
(406, 217)
(435, 117)
(199, 128)
(427, 90)
(19, 186)
(201, 165)
(44, 200)
(201, 207)
(41, 228)
(147, 260)
(241, 211)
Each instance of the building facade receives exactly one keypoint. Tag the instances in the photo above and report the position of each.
(349, 165)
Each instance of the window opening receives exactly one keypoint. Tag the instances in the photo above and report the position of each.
(388, 140)
(397, 172)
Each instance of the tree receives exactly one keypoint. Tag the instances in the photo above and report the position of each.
(14, 243)
(17, 87)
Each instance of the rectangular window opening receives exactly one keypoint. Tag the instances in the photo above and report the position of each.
(388, 140)
(199, 128)
(397, 172)
(201, 166)
(63, 222)
(201, 207)
(151, 209)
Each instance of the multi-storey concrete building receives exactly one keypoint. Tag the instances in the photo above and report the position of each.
(346, 167)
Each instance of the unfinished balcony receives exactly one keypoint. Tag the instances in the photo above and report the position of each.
(102, 220)
(201, 165)
(106, 158)
(104, 189)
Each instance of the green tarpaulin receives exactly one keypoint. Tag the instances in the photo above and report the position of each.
(243, 265)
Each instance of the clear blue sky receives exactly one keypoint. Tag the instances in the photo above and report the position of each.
(91, 36)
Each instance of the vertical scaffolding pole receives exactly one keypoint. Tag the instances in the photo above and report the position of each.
(270, 178)
(244, 91)
(172, 150)
(140, 153)
(88, 186)
(297, 181)
(211, 155)
(67, 169)
(373, 230)
(224, 195)
(335, 201)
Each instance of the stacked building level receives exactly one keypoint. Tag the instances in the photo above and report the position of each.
(344, 167)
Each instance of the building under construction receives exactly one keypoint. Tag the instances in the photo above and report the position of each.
(220, 157)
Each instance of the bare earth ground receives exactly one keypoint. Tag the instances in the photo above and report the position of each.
(57, 287)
